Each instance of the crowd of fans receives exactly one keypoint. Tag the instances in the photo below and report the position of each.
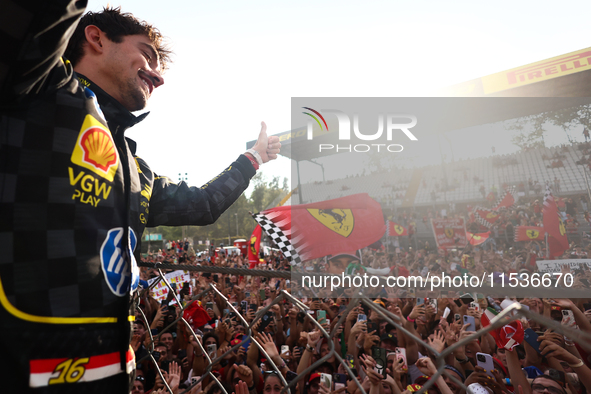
(553, 363)
(526, 212)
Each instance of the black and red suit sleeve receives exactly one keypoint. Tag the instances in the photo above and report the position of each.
(178, 204)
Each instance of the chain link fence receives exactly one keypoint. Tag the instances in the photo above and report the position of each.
(514, 312)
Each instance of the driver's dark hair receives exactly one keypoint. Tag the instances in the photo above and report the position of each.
(116, 25)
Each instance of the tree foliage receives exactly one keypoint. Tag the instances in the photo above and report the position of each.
(236, 222)
(530, 130)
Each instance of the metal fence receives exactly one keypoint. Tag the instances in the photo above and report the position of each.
(514, 312)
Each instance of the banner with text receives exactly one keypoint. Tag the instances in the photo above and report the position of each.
(449, 233)
(555, 265)
(160, 291)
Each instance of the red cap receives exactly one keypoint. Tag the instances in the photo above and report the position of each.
(314, 376)
(421, 380)
(414, 387)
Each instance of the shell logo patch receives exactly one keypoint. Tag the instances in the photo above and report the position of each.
(98, 148)
(119, 274)
(95, 149)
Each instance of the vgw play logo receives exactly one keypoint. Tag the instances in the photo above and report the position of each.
(391, 123)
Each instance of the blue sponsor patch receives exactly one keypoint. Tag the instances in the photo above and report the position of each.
(90, 95)
(120, 277)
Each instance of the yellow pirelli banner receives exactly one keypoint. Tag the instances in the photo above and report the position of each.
(555, 67)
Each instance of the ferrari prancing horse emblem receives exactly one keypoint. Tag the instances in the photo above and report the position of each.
(340, 221)
(532, 234)
(449, 232)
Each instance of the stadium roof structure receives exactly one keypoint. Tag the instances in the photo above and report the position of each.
(567, 76)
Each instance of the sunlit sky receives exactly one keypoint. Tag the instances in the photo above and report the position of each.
(237, 63)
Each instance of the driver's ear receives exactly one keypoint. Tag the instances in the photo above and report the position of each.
(94, 39)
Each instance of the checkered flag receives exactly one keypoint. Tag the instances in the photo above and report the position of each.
(548, 197)
(480, 219)
(507, 200)
(479, 211)
(280, 232)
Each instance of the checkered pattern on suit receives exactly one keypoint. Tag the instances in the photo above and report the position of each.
(63, 225)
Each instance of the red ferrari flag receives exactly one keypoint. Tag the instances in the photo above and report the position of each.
(396, 230)
(254, 246)
(467, 261)
(449, 233)
(486, 217)
(554, 226)
(529, 233)
(195, 315)
(477, 239)
(319, 229)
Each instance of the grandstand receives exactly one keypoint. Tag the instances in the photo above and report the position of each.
(382, 187)
(466, 177)
(527, 170)
(551, 84)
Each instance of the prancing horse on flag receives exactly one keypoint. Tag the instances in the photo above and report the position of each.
(339, 218)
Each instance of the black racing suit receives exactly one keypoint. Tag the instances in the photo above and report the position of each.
(74, 201)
